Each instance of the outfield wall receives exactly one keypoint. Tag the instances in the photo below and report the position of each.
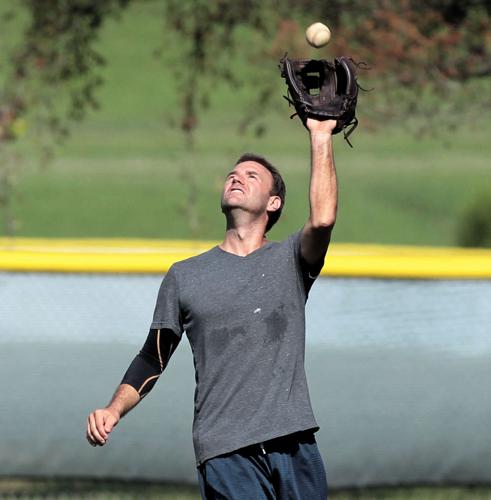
(156, 256)
(399, 371)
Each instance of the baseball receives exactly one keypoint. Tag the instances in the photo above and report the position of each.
(318, 35)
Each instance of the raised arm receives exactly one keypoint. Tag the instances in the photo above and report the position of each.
(323, 193)
(137, 382)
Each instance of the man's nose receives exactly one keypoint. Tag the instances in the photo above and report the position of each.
(238, 179)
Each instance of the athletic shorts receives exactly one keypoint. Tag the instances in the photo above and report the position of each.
(285, 468)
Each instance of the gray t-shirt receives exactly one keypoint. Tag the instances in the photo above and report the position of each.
(245, 321)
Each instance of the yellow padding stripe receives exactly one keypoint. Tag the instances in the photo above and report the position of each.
(156, 256)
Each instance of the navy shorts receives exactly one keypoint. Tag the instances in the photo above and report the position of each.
(286, 468)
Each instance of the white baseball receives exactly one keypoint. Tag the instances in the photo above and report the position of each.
(318, 35)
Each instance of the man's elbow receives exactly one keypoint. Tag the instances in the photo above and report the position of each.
(323, 224)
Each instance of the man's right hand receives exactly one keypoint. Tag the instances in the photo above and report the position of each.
(100, 423)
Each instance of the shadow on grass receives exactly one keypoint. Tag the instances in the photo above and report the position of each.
(94, 489)
(37, 488)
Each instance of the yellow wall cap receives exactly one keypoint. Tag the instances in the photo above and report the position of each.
(156, 256)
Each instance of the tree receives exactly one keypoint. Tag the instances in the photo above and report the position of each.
(51, 79)
(429, 59)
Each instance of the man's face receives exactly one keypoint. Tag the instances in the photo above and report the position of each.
(248, 186)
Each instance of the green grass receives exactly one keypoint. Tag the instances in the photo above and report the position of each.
(393, 189)
(105, 490)
(121, 171)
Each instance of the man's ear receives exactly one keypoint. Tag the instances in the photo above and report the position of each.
(274, 203)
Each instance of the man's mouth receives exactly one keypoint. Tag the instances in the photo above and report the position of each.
(237, 190)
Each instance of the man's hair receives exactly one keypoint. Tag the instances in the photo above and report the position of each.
(278, 189)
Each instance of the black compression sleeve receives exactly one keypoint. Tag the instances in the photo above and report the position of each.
(150, 362)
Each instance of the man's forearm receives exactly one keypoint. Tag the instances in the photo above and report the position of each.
(323, 193)
(137, 382)
(323, 182)
(124, 399)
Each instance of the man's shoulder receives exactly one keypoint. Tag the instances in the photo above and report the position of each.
(291, 240)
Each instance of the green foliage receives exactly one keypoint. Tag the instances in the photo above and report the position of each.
(49, 81)
(54, 69)
(209, 34)
(475, 225)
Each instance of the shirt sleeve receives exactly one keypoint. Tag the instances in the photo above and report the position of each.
(308, 273)
(167, 313)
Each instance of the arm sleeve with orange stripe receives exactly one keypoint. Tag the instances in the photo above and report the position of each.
(150, 362)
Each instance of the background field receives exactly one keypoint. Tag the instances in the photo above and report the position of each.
(126, 171)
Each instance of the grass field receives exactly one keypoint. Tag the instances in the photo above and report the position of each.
(105, 490)
(126, 172)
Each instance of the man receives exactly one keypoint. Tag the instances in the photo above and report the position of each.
(242, 305)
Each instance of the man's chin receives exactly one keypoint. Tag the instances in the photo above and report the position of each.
(228, 205)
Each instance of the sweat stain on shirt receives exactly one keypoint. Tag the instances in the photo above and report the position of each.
(276, 325)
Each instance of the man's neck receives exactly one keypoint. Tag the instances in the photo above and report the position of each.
(244, 240)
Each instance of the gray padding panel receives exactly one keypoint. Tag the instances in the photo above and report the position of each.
(399, 371)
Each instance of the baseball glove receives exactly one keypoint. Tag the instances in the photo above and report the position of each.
(323, 90)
